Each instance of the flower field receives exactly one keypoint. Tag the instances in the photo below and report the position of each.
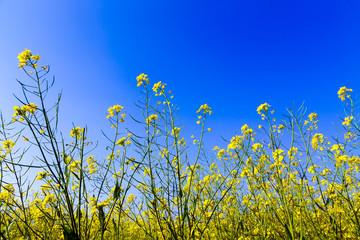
(283, 179)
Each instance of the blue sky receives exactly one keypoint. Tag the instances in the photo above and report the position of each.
(232, 55)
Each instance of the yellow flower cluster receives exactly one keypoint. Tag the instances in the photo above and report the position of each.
(311, 169)
(312, 116)
(347, 121)
(75, 166)
(121, 141)
(175, 132)
(48, 199)
(278, 155)
(114, 110)
(236, 142)
(42, 175)
(77, 132)
(337, 148)
(158, 86)
(8, 144)
(263, 107)
(343, 92)
(24, 58)
(141, 79)
(163, 152)
(246, 130)
(204, 109)
(292, 152)
(316, 140)
(7, 192)
(151, 118)
(6, 148)
(256, 146)
(92, 166)
(23, 111)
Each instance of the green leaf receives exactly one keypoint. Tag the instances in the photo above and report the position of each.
(117, 190)
(69, 234)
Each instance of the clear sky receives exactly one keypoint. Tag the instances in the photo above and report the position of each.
(232, 55)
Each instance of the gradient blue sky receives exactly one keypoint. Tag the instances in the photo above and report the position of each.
(232, 55)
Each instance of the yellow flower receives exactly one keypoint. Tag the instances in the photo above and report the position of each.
(311, 169)
(77, 132)
(341, 159)
(256, 146)
(236, 142)
(111, 156)
(316, 140)
(92, 165)
(151, 118)
(45, 187)
(75, 166)
(156, 87)
(49, 198)
(278, 155)
(312, 117)
(35, 58)
(337, 148)
(347, 121)
(8, 144)
(175, 132)
(130, 198)
(31, 108)
(204, 109)
(121, 141)
(292, 151)
(42, 131)
(246, 130)
(146, 172)
(41, 175)
(221, 153)
(141, 78)
(263, 107)
(24, 110)
(67, 160)
(163, 152)
(342, 93)
(24, 57)
(7, 192)
(114, 110)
